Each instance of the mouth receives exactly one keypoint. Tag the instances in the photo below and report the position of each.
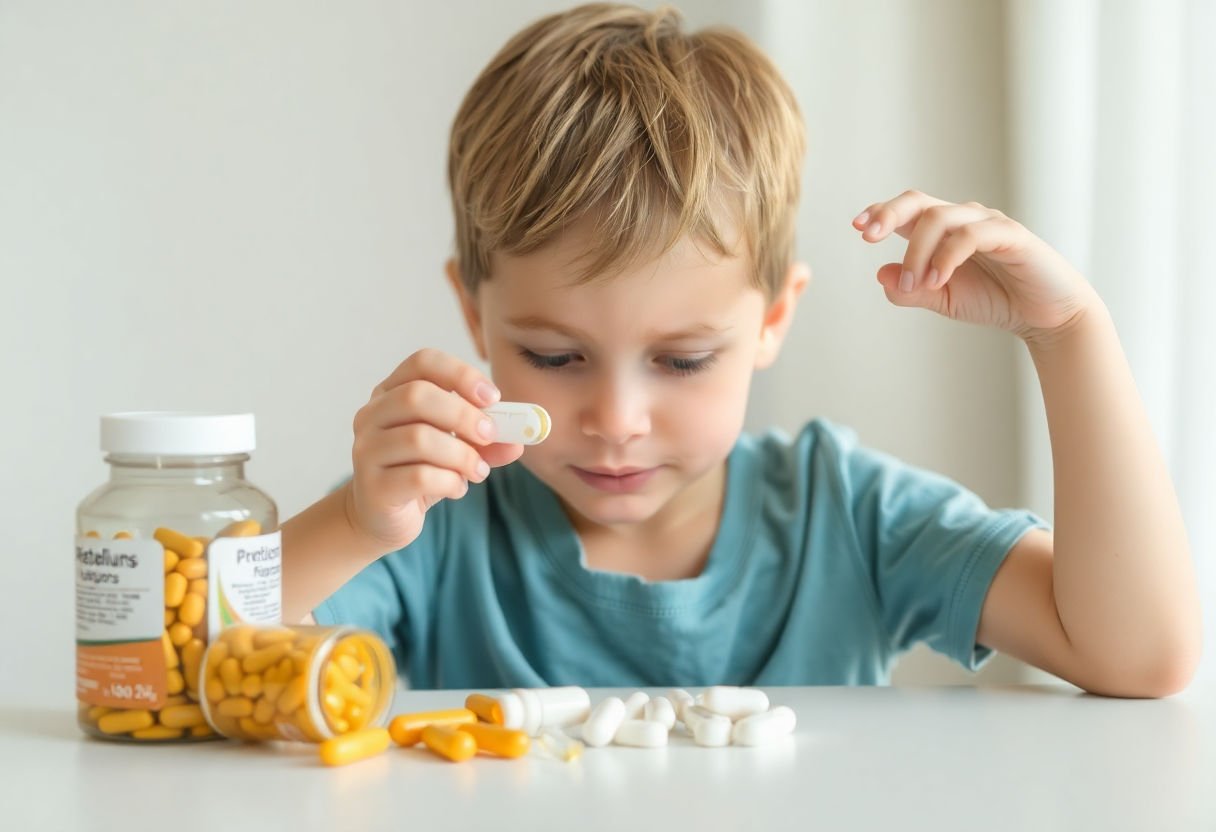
(615, 480)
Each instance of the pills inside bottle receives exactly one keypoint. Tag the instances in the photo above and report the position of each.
(302, 683)
(175, 546)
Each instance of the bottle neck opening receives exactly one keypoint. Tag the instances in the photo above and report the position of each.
(150, 466)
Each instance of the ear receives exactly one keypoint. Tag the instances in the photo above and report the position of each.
(780, 314)
(468, 306)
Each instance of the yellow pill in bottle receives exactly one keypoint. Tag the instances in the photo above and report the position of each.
(288, 685)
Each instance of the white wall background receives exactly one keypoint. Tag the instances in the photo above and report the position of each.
(242, 206)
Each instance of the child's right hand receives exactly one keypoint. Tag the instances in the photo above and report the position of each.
(420, 438)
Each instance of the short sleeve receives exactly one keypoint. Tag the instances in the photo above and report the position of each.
(932, 548)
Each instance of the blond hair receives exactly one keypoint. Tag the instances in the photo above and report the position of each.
(612, 112)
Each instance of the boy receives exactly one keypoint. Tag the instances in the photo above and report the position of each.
(625, 198)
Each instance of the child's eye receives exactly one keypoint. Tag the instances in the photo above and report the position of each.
(547, 362)
(688, 366)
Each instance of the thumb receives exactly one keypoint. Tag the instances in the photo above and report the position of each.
(921, 297)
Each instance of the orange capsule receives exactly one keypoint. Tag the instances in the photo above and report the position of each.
(497, 740)
(447, 741)
(357, 745)
(486, 708)
(406, 729)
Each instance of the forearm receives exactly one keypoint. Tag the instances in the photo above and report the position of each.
(1123, 580)
(321, 552)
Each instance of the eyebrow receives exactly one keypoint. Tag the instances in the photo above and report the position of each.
(535, 323)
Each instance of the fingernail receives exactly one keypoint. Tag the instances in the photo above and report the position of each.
(874, 228)
(932, 279)
(483, 470)
(861, 218)
(486, 428)
(905, 281)
(487, 392)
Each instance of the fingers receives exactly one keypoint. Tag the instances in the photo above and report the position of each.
(994, 233)
(898, 215)
(444, 371)
(926, 222)
(419, 444)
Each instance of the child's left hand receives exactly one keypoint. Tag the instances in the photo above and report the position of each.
(975, 264)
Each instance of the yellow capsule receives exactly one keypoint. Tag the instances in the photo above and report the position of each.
(257, 731)
(358, 745)
(180, 633)
(215, 690)
(187, 547)
(350, 666)
(203, 730)
(157, 732)
(120, 722)
(230, 675)
(198, 586)
(241, 528)
(216, 654)
(446, 741)
(406, 729)
(192, 609)
(356, 715)
(182, 716)
(235, 706)
(192, 568)
(259, 660)
(122, 535)
(170, 654)
(299, 660)
(251, 686)
(486, 708)
(97, 712)
(272, 690)
(269, 636)
(293, 695)
(170, 701)
(171, 559)
(263, 711)
(92, 534)
(192, 657)
(495, 739)
(240, 640)
(337, 682)
(174, 682)
(175, 589)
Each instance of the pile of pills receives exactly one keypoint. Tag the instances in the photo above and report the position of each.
(184, 639)
(504, 724)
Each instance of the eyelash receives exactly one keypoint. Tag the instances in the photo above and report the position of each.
(676, 366)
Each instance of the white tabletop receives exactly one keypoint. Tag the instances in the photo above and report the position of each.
(862, 758)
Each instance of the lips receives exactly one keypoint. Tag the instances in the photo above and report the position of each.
(615, 480)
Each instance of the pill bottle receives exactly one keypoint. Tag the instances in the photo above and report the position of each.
(303, 683)
(174, 547)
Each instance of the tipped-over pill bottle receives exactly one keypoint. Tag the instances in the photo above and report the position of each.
(303, 683)
(174, 547)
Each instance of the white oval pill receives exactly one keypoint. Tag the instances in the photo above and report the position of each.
(635, 703)
(679, 699)
(522, 423)
(661, 710)
(708, 729)
(641, 733)
(735, 703)
(761, 729)
(605, 719)
(566, 705)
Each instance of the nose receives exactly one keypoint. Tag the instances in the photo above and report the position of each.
(616, 411)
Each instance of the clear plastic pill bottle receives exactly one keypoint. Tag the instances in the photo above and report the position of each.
(303, 683)
(174, 547)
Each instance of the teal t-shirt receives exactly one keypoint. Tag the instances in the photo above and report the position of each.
(830, 560)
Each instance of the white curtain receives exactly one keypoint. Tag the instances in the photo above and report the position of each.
(1112, 114)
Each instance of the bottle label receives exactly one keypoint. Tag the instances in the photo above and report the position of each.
(120, 591)
(246, 581)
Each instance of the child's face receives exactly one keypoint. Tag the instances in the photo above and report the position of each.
(645, 374)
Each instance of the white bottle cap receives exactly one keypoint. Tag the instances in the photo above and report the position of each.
(162, 433)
